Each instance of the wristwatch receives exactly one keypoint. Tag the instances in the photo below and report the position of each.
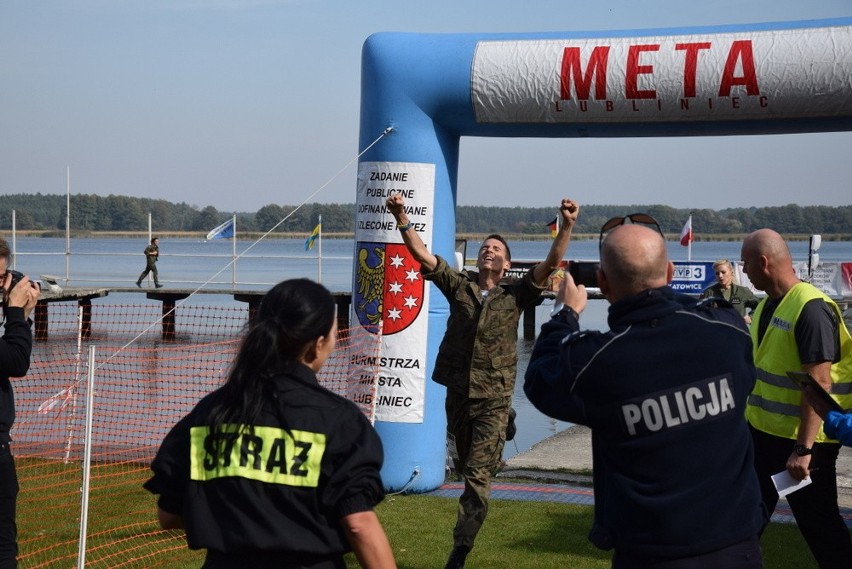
(802, 450)
(561, 307)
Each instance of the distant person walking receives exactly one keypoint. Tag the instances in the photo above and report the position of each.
(152, 253)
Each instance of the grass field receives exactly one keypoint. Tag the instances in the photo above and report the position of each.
(123, 530)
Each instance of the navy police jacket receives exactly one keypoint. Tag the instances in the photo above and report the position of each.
(664, 392)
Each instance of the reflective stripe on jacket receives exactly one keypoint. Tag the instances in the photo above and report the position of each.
(774, 404)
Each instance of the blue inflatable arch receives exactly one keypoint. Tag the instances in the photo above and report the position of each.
(430, 90)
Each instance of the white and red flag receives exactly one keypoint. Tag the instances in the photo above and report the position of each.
(686, 236)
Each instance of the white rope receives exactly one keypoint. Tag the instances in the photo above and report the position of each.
(247, 249)
(415, 474)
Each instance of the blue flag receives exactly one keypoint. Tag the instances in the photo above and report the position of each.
(224, 231)
(309, 242)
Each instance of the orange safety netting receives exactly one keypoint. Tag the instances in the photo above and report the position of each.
(143, 385)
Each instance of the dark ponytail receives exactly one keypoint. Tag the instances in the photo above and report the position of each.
(292, 315)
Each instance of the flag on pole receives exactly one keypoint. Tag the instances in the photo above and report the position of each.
(309, 242)
(224, 231)
(553, 226)
(686, 236)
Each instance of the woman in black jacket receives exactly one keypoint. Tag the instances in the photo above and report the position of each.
(271, 469)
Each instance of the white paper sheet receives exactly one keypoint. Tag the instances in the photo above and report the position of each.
(785, 484)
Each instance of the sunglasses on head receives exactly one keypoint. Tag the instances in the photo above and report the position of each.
(640, 218)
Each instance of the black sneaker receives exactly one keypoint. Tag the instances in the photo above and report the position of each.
(138, 284)
(158, 285)
(511, 428)
(457, 557)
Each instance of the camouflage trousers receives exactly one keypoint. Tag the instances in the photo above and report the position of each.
(478, 428)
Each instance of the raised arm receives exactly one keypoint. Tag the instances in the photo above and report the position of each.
(568, 210)
(396, 205)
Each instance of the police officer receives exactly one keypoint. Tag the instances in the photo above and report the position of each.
(478, 355)
(668, 432)
(273, 470)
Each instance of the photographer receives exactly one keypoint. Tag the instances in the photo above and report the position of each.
(19, 298)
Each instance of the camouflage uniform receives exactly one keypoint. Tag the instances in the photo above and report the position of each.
(152, 254)
(477, 362)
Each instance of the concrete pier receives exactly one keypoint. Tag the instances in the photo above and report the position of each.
(169, 297)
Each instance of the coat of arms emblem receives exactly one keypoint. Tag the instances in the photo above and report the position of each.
(388, 287)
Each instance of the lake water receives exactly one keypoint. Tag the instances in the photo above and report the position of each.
(188, 263)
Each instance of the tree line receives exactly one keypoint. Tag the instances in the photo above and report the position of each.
(121, 213)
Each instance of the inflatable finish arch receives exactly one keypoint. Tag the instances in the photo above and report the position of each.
(432, 89)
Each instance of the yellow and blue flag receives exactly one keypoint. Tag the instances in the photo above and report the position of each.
(309, 242)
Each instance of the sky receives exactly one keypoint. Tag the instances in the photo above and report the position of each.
(244, 103)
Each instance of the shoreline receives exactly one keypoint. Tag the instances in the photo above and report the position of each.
(567, 457)
(253, 235)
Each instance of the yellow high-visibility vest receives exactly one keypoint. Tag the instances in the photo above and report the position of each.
(774, 405)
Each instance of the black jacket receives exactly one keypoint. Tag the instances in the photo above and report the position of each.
(312, 458)
(15, 349)
(664, 393)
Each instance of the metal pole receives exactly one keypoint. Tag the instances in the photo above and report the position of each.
(67, 224)
(234, 252)
(319, 251)
(689, 243)
(150, 235)
(71, 392)
(87, 460)
(14, 240)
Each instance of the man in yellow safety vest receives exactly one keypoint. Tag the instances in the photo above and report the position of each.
(797, 327)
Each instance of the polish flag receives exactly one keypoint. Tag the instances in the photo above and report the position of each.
(686, 236)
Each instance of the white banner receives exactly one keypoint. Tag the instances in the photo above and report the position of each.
(834, 279)
(388, 287)
(828, 277)
(732, 76)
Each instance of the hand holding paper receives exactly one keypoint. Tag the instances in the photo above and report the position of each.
(785, 484)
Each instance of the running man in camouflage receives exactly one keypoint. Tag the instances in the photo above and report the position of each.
(477, 359)
(152, 255)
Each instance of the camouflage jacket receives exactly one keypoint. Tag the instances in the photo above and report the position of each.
(152, 254)
(478, 355)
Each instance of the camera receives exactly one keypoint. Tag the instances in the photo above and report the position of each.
(16, 277)
(584, 272)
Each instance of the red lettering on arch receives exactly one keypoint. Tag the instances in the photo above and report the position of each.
(572, 68)
(631, 88)
(741, 52)
(690, 64)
